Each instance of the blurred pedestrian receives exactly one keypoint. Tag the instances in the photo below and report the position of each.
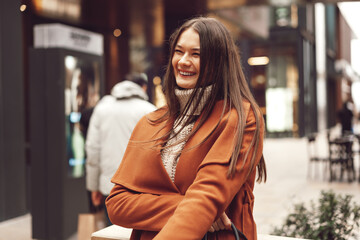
(346, 115)
(85, 96)
(84, 126)
(111, 124)
(190, 167)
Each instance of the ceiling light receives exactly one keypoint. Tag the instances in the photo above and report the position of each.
(23, 8)
(255, 61)
(117, 32)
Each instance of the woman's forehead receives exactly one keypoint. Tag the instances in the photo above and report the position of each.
(189, 38)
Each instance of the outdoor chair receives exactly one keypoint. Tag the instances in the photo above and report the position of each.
(357, 152)
(341, 158)
(317, 165)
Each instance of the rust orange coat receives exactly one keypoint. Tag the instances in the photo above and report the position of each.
(144, 197)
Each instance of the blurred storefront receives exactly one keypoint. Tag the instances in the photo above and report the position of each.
(281, 49)
(295, 54)
(279, 34)
(280, 43)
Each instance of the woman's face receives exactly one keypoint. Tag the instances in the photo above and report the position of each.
(186, 59)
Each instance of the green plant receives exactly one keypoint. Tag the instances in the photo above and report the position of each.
(336, 217)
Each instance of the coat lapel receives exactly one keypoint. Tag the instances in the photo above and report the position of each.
(194, 152)
(141, 168)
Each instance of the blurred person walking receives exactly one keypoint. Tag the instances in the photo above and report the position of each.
(346, 115)
(111, 124)
(190, 167)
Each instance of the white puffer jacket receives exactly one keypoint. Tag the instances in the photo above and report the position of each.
(111, 124)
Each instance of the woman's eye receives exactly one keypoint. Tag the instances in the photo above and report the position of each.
(196, 54)
(178, 51)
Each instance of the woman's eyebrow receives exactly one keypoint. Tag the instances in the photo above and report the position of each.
(194, 49)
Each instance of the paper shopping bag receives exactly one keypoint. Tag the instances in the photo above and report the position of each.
(89, 223)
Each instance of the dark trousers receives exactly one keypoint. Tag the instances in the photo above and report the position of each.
(94, 209)
(107, 219)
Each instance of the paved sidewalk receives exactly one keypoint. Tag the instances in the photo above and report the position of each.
(287, 164)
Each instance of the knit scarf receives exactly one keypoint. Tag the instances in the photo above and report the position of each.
(171, 153)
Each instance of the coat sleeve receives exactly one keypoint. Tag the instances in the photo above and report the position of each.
(141, 211)
(212, 192)
(92, 148)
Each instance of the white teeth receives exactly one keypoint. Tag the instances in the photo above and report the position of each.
(186, 73)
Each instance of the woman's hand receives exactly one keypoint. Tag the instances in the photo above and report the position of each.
(96, 198)
(222, 223)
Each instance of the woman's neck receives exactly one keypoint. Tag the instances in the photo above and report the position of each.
(183, 96)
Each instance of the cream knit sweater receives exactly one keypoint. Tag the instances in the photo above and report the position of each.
(171, 153)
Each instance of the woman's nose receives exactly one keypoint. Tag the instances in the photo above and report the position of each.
(184, 60)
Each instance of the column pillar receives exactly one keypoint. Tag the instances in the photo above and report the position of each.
(12, 126)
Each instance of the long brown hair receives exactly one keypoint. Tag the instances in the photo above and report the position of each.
(220, 67)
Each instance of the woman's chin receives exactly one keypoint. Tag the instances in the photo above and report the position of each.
(186, 83)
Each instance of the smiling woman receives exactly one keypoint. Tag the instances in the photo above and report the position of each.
(190, 167)
(186, 59)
